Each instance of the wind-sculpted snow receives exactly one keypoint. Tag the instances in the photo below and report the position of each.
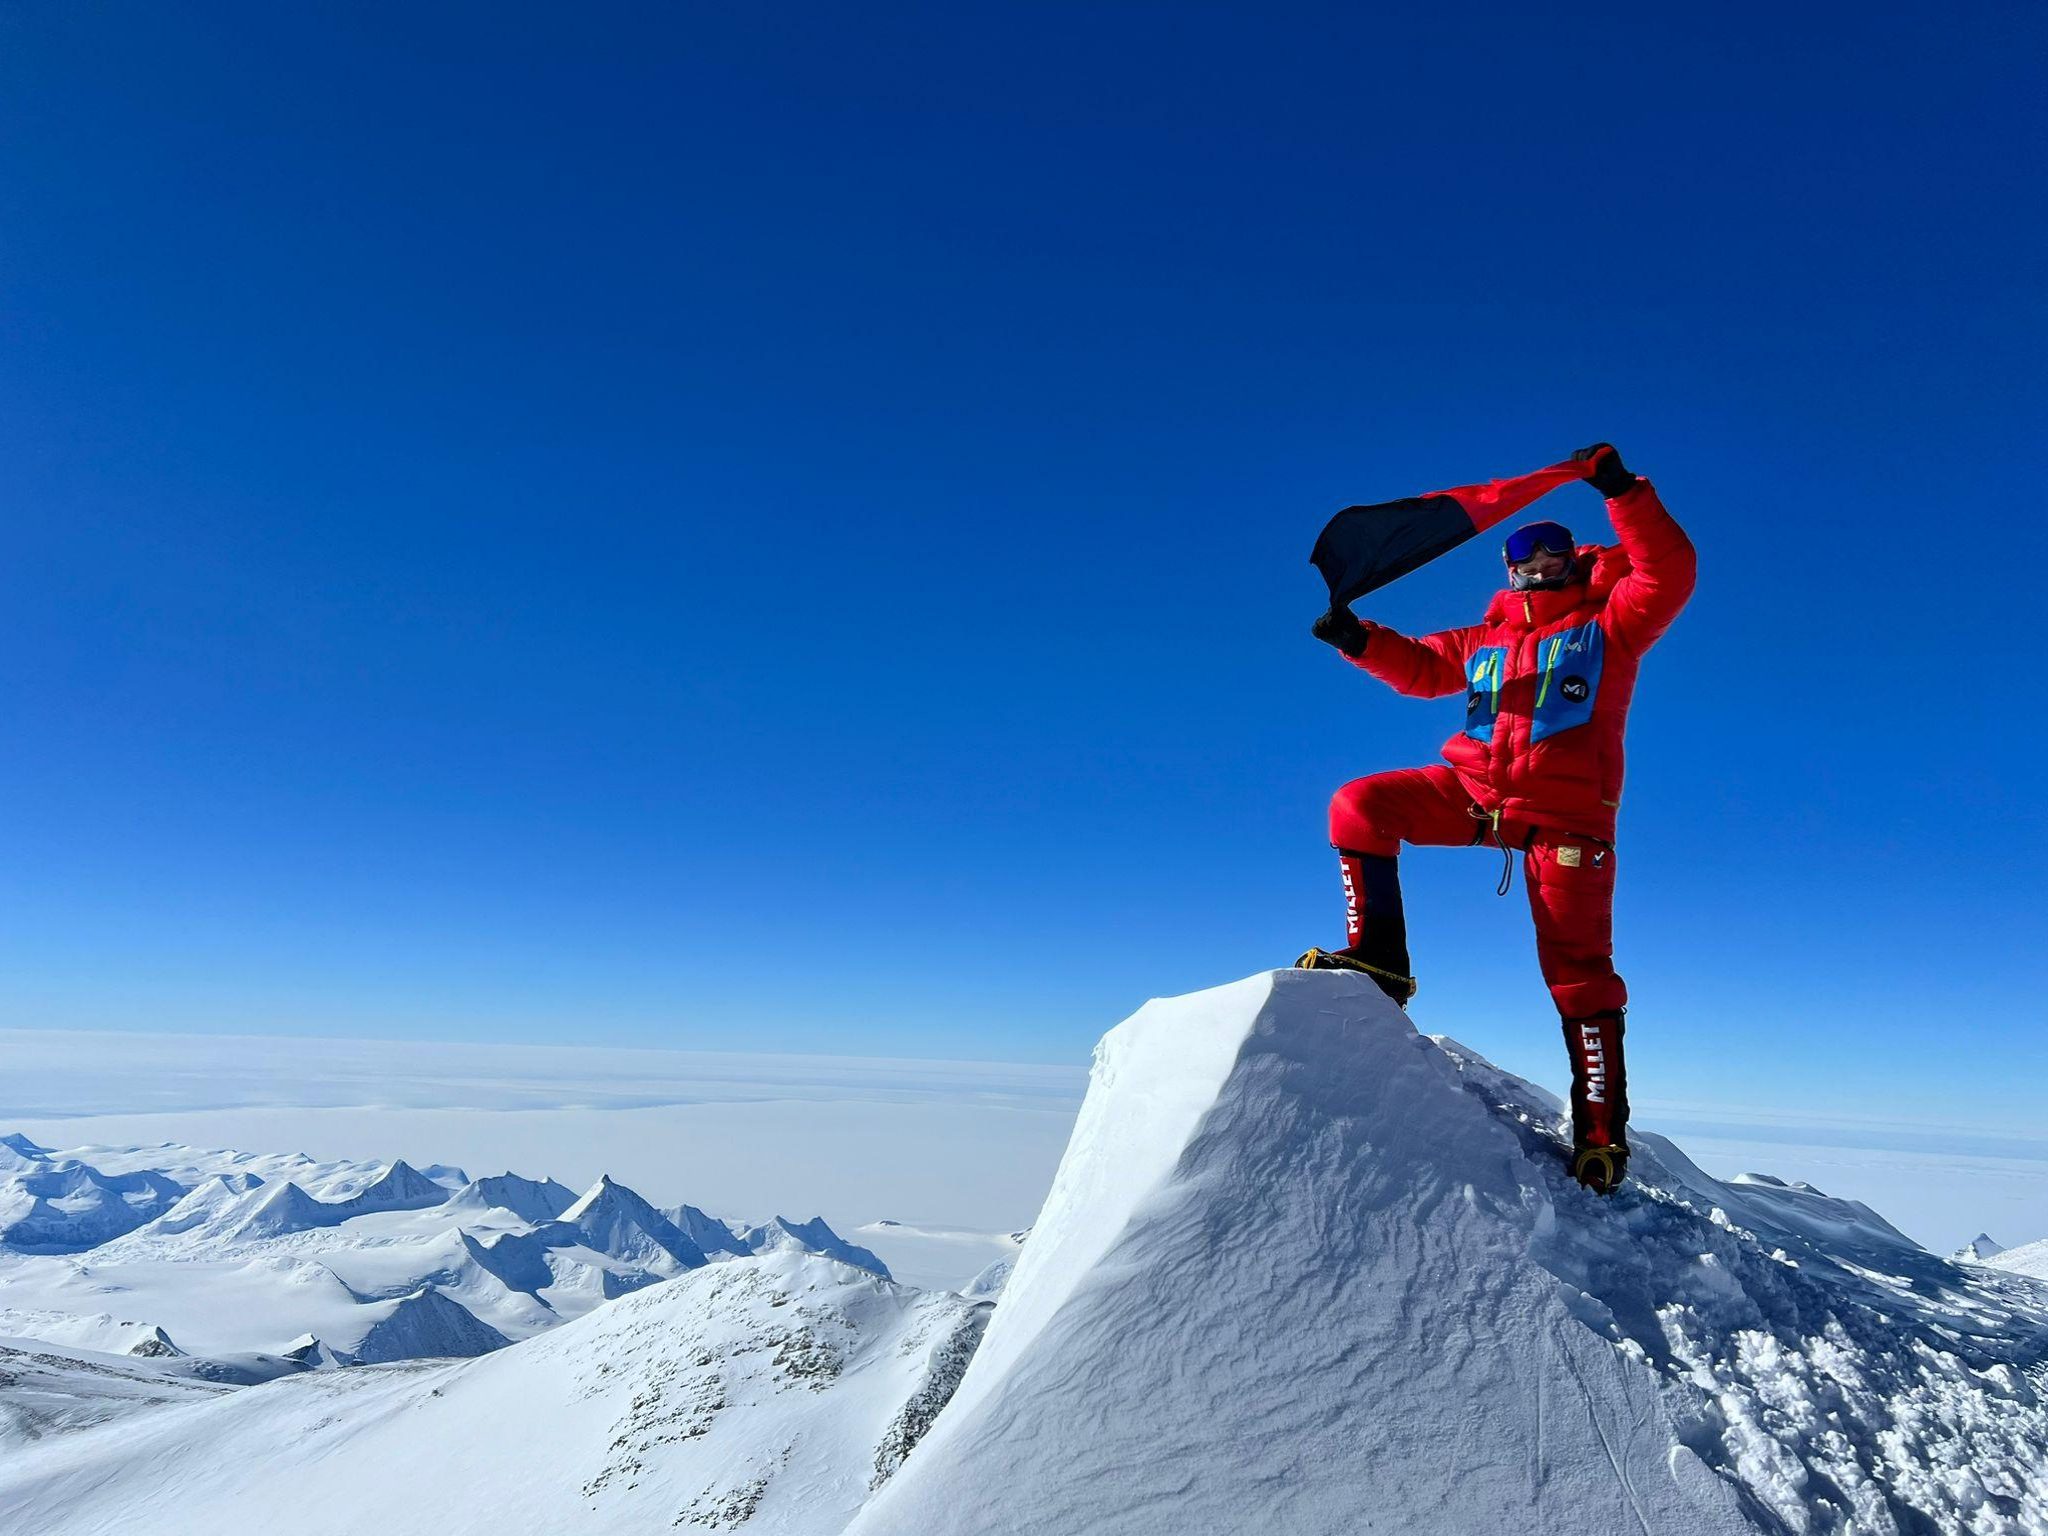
(767, 1394)
(1845, 1379)
(1304, 1270)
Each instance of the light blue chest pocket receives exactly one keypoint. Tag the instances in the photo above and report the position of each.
(1482, 690)
(1569, 684)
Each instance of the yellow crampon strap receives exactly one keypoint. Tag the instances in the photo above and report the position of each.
(1600, 1169)
(1324, 960)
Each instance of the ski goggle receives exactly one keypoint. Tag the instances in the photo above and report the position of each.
(1537, 538)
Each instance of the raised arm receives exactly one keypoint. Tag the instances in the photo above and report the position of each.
(1662, 564)
(1662, 568)
(1427, 667)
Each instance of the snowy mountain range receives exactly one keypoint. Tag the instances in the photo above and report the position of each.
(271, 1264)
(1302, 1270)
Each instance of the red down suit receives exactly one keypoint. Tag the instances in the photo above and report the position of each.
(1547, 678)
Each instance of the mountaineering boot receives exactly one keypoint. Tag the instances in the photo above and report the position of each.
(1375, 926)
(1400, 988)
(1599, 1100)
(1600, 1169)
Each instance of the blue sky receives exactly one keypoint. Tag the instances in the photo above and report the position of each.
(786, 528)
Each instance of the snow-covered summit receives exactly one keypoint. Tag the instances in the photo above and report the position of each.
(1978, 1250)
(534, 1200)
(809, 1237)
(1302, 1260)
(614, 1220)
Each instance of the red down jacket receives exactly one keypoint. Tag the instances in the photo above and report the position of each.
(1547, 676)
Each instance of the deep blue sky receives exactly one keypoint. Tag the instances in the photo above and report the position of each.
(786, 526)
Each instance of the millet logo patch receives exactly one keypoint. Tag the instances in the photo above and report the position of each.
(1596, 1063)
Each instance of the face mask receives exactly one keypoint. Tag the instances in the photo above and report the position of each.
(1564, 578)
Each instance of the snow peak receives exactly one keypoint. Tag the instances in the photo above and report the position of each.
(1595, 1049)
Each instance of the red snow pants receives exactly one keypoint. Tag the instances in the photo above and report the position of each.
(1570, 880)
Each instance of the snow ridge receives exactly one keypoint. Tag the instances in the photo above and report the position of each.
(1297, 1248)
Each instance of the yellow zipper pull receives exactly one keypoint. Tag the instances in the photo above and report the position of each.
(1544, 691)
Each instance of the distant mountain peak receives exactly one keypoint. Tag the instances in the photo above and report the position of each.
(813, 1236)
(618, 1221)
(531, 1200)
(425, 1324)
(400, 1185)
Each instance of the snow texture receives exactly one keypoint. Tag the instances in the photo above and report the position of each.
(2027, 1259)
(47, 1389)
(767, 1394)
(1305, 1269)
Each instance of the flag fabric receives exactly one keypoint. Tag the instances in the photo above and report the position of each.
(1363, 548)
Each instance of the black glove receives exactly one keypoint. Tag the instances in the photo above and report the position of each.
(1340, 627)
(1610, 477)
